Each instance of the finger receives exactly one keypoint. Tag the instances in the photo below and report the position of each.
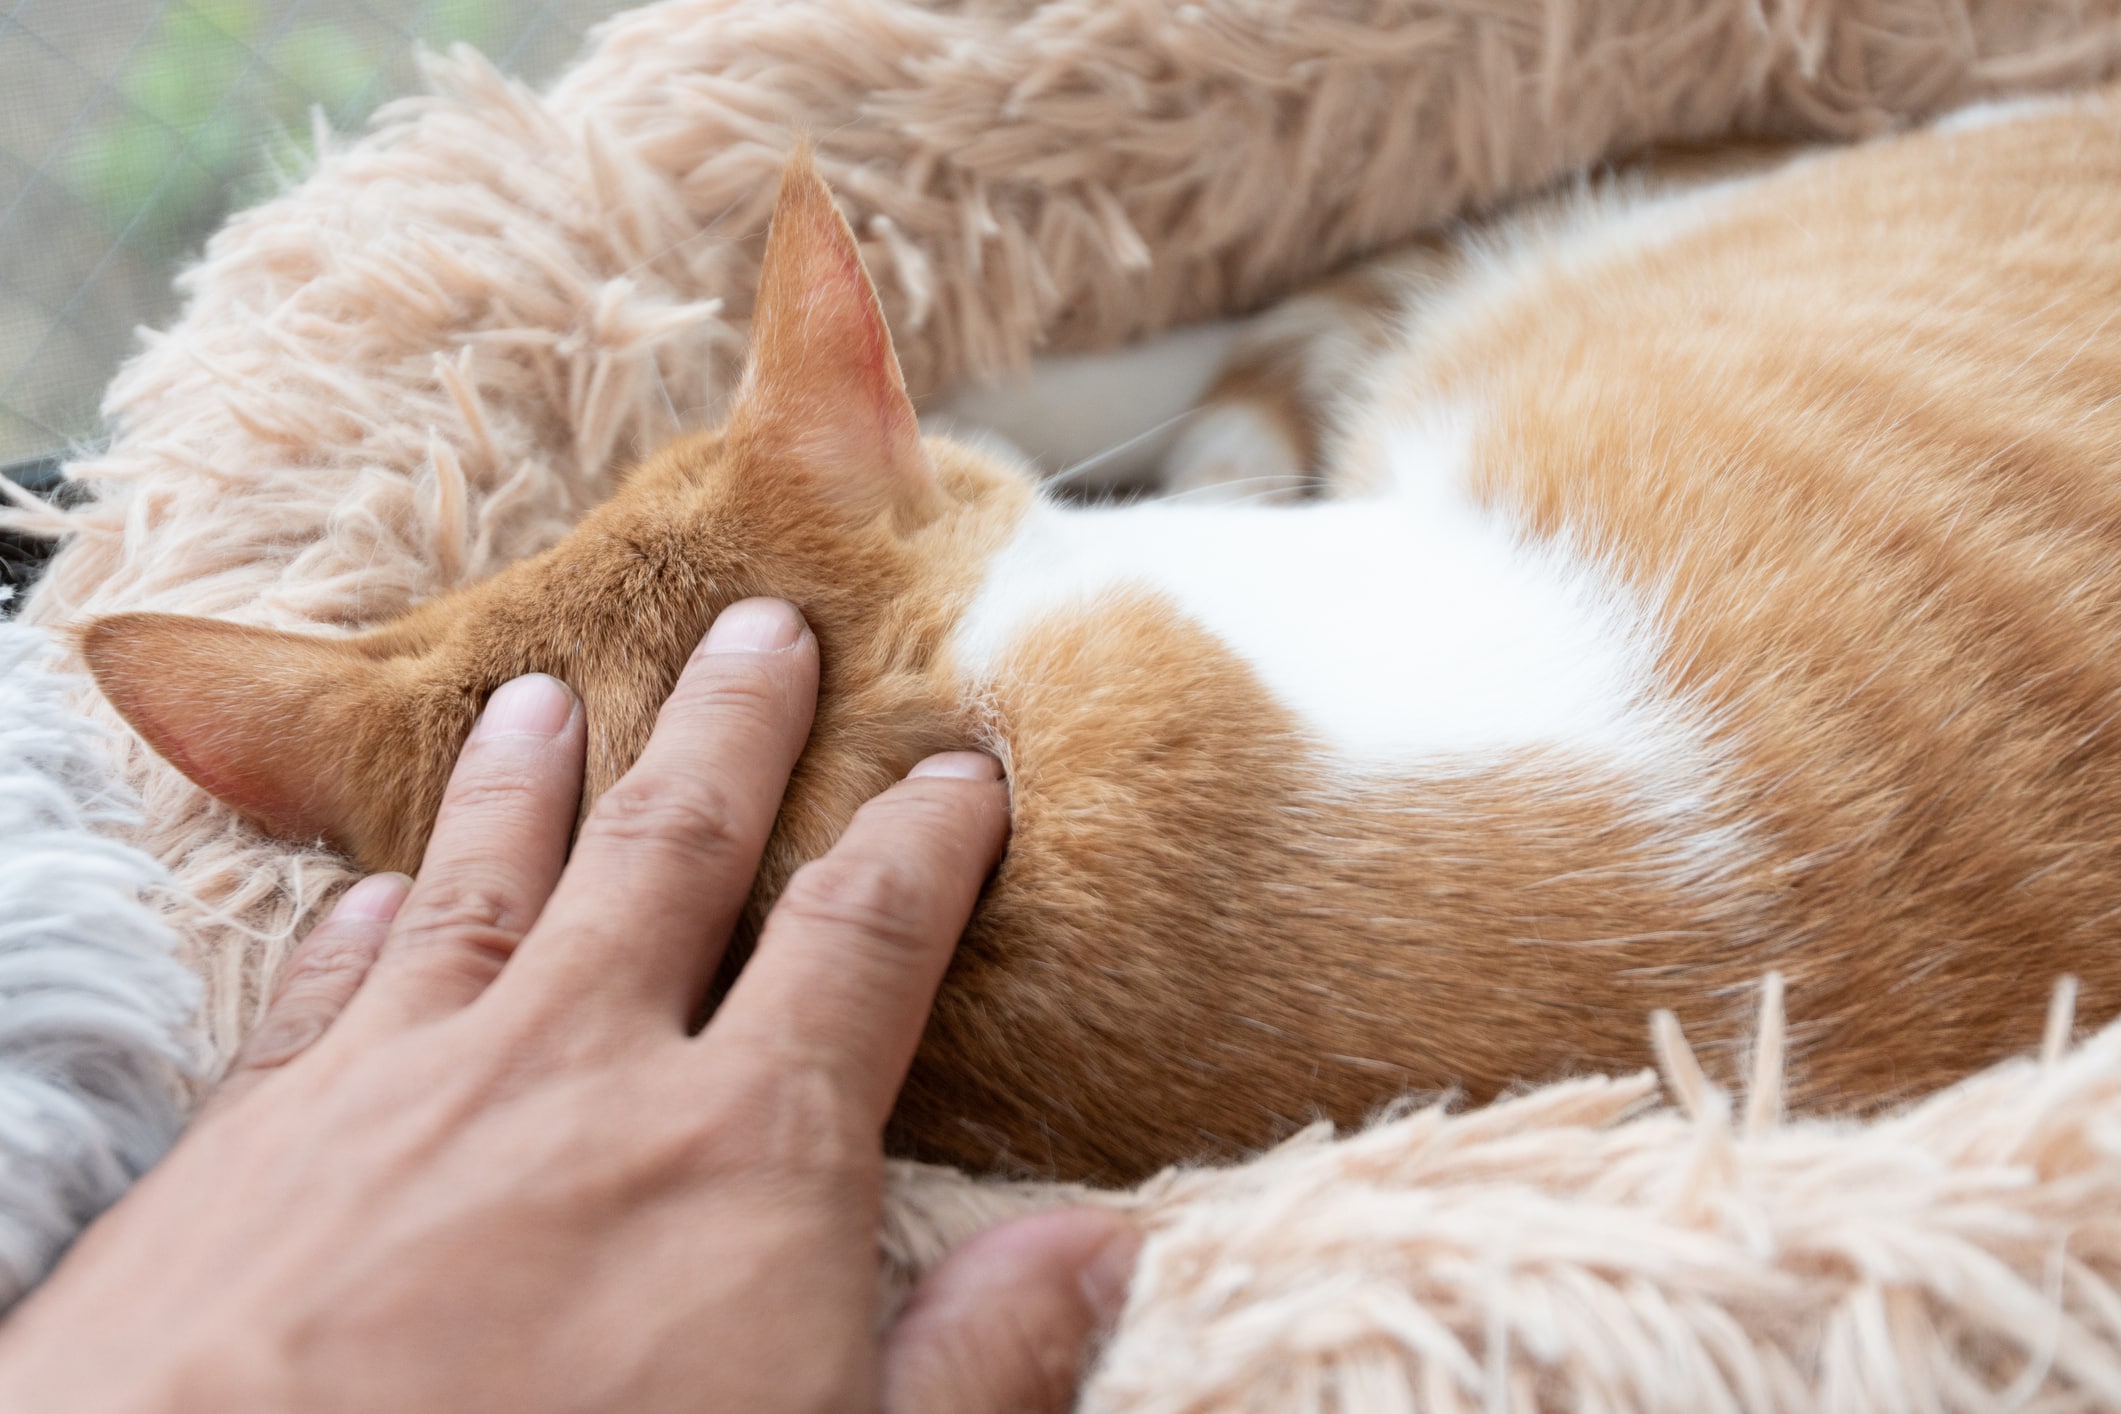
(1010, 1321)
(665, 859)
(849, 959)
(499, 843)
(317, 983)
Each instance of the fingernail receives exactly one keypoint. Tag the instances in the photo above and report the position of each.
(536, 705)
(1109, 1274)
(375, 899)
(965, 765)
(754, 626)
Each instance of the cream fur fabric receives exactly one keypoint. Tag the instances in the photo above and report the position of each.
(428, 358)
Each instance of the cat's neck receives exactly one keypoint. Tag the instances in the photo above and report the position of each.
(1408, 626)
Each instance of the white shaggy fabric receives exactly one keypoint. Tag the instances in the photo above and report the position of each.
(93, 1004)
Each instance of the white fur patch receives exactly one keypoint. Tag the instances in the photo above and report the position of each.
(1414, 625)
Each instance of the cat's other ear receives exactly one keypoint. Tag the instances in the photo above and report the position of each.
(266, 721)
(823, 385)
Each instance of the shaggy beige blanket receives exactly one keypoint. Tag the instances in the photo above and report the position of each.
(426, 359)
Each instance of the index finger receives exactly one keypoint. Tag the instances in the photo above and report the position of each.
(665, 860)
(847, 965)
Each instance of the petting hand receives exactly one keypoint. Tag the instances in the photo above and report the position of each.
(472, 1159)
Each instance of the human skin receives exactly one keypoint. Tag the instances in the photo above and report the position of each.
(472, 1157)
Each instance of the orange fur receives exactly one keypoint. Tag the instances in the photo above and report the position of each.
(1860, 448)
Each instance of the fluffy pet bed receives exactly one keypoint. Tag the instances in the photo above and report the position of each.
(426, 359)
(93, 1004)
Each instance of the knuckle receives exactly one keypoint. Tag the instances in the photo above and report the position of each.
(880, 898)
(465, 958)
(927, 811)
(644, 810)
(460, 899)
(327, 956)
(468, 916)
(492, 775)
(319, 981)
(291, 1028)
(748, 687)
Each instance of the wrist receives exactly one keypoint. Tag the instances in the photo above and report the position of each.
(40, 1372)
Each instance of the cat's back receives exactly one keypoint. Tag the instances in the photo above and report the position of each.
(1825, 465)
(1853, 432)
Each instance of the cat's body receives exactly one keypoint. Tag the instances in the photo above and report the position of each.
(1706, 583)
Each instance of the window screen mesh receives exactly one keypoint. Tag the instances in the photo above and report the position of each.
(129, 128)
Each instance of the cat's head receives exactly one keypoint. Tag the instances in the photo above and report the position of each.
(818, 488)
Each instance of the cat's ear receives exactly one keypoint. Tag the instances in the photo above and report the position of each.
(823, 384)
(266, 721)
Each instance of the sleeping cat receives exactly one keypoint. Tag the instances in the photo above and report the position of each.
(1698, 579)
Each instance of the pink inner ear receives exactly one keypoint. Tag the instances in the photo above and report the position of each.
(238, 710)
(877, 360)
(184, 731)
(823, 375)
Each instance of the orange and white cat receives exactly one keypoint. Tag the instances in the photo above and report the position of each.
(1707, 577)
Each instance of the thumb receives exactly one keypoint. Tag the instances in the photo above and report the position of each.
(1008, 1322)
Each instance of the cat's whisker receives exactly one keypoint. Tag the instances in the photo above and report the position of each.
(670, 404)
(1272, 484)
(1091, 463)
(705, 232)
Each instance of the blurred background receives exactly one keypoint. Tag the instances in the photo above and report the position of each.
(130, 128)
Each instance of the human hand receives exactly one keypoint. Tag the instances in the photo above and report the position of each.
(471, 1158)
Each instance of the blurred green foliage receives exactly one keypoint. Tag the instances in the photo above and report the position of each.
(215, 102)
